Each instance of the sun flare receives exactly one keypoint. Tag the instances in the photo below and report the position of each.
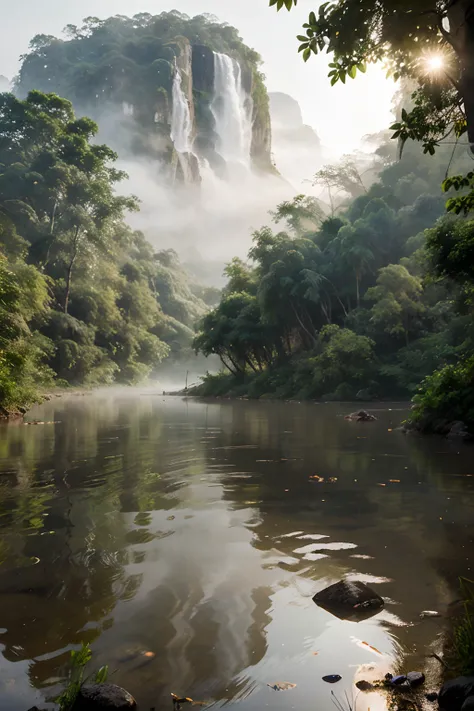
(435, 62)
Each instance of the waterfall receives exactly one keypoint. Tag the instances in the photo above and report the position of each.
(231, 108)
(181, 124)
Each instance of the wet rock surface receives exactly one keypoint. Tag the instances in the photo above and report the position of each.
(360, 416)
(104, 697)
(349, 600)
(457, 692)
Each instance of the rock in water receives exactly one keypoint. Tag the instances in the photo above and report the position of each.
(361, 416)
(415, 678)
(104, 697)
(455, 693)
(349, 600)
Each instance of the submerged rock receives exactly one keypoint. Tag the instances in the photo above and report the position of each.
(456, 692)
(104, 697)
(458, 430)
(349, 599)
(361, 416)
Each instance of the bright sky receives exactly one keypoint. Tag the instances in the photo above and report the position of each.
(340, 114)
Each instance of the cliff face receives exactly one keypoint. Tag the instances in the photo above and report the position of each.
(296, 146)
(126, 80)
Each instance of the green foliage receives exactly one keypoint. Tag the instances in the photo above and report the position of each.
(424, 43)
(82, 296)
(463, 642)
(447, 394)
(79, 660)
(126, 64)
(370, 300)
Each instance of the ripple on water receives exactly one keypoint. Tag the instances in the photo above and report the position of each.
(335, 546)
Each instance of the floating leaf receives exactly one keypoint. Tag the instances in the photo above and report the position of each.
(281, 686)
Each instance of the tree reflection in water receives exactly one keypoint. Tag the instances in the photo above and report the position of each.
(143, 524)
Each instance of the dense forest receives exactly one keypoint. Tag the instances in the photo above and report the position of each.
(364, 303)
(83, 298)
(121, 72)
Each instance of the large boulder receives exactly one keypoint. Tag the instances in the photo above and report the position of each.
(456, 692)
(349, 600)
(104, 697)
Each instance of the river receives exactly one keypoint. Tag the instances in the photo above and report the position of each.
(199, 532)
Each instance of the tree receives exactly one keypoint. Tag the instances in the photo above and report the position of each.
(303, 214)
(343, 177)
(397, 296)
(412, 39)
(56, 188)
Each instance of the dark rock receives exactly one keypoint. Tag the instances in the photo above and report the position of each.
(104, 697)
(458, 430)
(432, 696)
(332, 678)
(364, 685)
(398, 680)
(361, 416)
(416, 678)
(349, 600)
(455, 692)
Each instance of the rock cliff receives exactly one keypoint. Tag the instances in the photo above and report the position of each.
(123, 72)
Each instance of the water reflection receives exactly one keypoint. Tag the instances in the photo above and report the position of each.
(200, 533)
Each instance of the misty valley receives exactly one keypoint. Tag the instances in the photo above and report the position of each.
(236, 364)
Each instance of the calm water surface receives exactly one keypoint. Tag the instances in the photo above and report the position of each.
(197, 531)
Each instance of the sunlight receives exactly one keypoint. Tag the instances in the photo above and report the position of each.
(435, 62)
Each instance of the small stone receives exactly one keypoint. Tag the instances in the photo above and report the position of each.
(398, 680)
(332, 678)
(415, 678)
(104, 697)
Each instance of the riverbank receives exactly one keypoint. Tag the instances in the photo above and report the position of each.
(15, 414)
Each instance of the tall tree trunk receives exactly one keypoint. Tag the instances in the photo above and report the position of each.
(75, 245)
(461, 35)
(308, 333)
(68, 284)
(357, 288)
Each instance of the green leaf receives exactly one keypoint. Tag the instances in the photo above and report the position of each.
(312, 18)
(307, 54)
(101, 675)
(342, 76)
(334, 80)
(352, 71)
(404, 115)
(303, 46)
(362, 67)
(301, 38)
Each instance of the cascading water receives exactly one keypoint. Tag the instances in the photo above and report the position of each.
(181, 124)
(231, 108)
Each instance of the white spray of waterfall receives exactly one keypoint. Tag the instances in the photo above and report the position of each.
(232, 111)
(181, 125)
